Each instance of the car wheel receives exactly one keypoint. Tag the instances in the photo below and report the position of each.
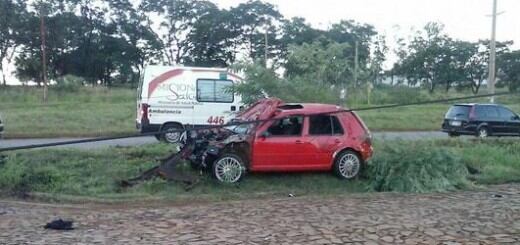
(228, 168)
(348, 165)
(172, 133)
(483, 132)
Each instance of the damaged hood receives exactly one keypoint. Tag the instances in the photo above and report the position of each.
(261, 110)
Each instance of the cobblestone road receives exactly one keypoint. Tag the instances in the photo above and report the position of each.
(450, 218)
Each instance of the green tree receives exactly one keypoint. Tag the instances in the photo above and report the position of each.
(509, 70)
(13, 17)
(177, 21)
(476, 68)
(428, 60)
(319, 63)
(253, 20)
(211, 39)
(377, 58)
(349, 31)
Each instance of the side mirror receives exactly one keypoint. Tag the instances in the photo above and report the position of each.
(515, 117)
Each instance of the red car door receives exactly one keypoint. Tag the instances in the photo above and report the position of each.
(280, 146)
(326, 136)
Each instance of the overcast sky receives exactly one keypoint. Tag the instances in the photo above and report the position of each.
(463, 19)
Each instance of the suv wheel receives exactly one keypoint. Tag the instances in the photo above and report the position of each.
(483, 132)
(348, 165)
(228, 168)
(171, 137)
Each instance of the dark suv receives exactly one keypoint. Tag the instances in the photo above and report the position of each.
(1, 127)
(481, 120)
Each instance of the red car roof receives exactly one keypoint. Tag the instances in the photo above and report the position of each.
(266, 108)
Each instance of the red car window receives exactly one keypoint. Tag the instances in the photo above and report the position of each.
(288, 126)
(324, 125)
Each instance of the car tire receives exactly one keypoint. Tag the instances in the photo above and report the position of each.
(483, 132)
(228, 168)
(173, 137)
(348, 165)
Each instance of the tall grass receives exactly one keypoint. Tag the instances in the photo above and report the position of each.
(32, 96)
(417, 167)
(86, 112)
(399, 166)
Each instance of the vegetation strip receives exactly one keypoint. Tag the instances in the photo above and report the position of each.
(397, 166)
(250, 122)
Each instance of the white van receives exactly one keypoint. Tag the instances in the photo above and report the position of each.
(179, 97)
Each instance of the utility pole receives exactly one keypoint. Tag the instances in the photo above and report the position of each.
(356, 61)
(266, 47)
(492, 55)
(44, 58)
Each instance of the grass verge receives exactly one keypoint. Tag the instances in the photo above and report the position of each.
(91, 112)
(397, 166)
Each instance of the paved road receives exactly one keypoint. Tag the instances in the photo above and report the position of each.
(379, 218)
(151, 140)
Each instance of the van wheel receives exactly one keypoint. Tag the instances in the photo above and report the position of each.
(172, 133)
(483, 132)
(228, 168)
(348, 165)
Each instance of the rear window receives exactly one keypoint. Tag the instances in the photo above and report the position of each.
(324, 125)
(458, 111)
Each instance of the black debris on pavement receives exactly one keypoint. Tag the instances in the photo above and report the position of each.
(60, 224)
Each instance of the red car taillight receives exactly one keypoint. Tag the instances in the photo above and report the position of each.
(366, 138)
(366, 146)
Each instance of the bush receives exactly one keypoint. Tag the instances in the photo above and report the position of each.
(69, 83)
(22, 178)
(416, 167)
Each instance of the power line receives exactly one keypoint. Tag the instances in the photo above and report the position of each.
(34, 146)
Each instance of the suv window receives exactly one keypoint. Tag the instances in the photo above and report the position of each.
(505, 114)
(324, 125)
(480, 112)
(491, 111)
(458, 111)
(288, 126)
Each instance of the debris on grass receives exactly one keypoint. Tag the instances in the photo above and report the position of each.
(59, 224)
(419, 167)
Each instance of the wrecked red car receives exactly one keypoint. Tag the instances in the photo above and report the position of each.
(289, 138)
(272, 136)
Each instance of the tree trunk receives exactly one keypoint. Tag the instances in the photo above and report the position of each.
(477, 88)
(4, 82)
(432, 87)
